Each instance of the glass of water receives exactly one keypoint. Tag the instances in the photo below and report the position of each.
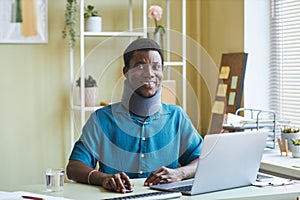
(54, 179)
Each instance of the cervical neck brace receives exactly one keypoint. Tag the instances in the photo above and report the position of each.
(139, 105)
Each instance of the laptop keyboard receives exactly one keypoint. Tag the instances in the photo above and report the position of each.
(183, 188)
(150, 196)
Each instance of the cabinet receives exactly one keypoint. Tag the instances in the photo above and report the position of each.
(97, 61)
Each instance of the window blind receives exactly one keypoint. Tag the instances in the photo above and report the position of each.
(284, 77)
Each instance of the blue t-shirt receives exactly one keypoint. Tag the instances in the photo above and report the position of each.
(121, 141)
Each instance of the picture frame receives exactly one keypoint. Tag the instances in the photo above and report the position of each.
(23, 21)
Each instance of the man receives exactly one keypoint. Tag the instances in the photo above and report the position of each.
(139, 137)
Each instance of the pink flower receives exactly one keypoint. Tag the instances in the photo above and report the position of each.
(155, 12)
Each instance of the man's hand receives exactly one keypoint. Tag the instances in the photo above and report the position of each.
(80, 172)
(164, 175)
(167, 175)
(117, 182)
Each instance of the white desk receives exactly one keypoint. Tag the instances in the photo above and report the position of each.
(284, 166)
(82, 191)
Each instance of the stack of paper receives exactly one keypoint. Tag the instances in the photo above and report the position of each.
(237, 120)
(277, 181)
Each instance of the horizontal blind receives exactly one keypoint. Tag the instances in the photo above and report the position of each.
(285, 60)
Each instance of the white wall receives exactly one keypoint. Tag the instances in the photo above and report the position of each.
(257, 23)
(34, 105)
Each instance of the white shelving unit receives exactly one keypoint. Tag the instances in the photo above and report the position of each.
(129, 34)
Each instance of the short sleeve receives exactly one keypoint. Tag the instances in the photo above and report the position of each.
(80, 153)
(191, 139)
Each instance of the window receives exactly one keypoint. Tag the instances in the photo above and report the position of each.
(284, 79)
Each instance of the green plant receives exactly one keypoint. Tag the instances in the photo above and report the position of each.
(295, 142)
(289, 130)
(89, 82)
(70, 21)
(90, 12)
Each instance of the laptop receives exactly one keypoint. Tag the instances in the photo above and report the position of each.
(227, 160)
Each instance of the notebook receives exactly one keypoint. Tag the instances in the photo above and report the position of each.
(227, 160)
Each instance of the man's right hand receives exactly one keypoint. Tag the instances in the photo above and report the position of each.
(80, 172)
(117, 182)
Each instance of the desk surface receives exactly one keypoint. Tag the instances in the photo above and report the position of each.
(83, 191)
(280, 165)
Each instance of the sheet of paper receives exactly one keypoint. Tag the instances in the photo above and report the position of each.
(234, 81)
(238, 121)
(231, 98)
(276, 182)
(18, 196)
(218, 107)
(224, 72)
(222, 89)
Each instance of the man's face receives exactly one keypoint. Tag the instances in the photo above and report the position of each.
(144, 72)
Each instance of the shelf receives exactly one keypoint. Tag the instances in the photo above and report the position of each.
(128, 33)
(94, 108)
(261, 119)
(110, 34)
(173, 63)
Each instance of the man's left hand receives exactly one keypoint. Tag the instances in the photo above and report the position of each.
(164, 175)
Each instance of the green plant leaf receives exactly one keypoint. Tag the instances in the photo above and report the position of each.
(159, 29)
(88, 82)
(90, 12)
(295, 142)
(70, 22)
(90, 7)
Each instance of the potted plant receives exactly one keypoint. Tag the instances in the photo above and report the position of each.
(93, 21)
(295, 147)
(70, 21)
(91, 91)
(287, 133)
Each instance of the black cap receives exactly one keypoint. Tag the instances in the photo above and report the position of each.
(141, 44)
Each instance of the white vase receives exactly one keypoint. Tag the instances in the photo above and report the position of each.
(91, 96)
(296, 151)
(288, 136)
(93, 24)
(157, 37)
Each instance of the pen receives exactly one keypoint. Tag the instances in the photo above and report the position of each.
(31, 197)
